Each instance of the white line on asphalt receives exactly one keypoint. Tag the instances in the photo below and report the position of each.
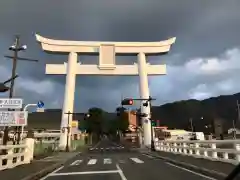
(101, 148)
(107, 148)
(86, 172)
(207, 177)
(50, 174)
(48, 157)
(75, 163)
(148, 156)
(107, 161)
(92, 161)
(121, 172)
(136, 160)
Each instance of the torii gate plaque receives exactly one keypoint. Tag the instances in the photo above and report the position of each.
(106, 66)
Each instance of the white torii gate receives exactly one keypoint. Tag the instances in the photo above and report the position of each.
(106, 66)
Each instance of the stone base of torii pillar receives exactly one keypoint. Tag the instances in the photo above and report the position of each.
(107, 66)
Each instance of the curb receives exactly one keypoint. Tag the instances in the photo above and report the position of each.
(47, 170)
(204, 171)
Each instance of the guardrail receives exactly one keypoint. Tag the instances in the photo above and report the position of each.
(216, 150)
(16, 155)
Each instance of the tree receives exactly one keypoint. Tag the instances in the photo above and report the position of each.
(94, 121)
(122, 119)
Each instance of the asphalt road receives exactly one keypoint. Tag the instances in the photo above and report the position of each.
(110, 161)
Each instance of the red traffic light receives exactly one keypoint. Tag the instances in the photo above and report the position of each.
(127, 102)
(130, 102)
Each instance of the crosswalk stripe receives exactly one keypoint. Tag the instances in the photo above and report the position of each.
(136, 160)
(107, 161)
(92, 161)
(75, 163)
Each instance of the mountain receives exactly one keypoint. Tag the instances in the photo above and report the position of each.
(204, 114)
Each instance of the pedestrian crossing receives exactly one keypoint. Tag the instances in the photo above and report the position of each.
(105, 161)
(107, 148)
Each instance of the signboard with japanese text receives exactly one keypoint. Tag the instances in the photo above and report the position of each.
(13, 103)
(13, 118)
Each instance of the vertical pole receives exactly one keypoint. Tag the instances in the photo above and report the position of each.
(234, 130)
(144, 94)
(68, 97)
(191, 122)
(152, 137)
(238, 111)
(6, 129)
(68, 131)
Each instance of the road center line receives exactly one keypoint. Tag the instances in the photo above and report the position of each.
(85, 172)
(207, 177)
(121, 172)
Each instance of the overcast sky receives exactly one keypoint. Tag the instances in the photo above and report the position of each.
(204, 61)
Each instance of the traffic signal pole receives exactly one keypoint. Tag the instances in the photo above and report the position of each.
(148, 102)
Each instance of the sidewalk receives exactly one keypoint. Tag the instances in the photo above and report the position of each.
(37, 167)
(215, 167)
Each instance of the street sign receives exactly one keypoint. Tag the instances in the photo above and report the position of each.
(74, 124)
(40, 110)
(40, 104)
(11, 103)
(13, 118)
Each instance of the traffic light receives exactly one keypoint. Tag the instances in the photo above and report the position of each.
(127, 102)
(154, 123)
(145, 104)
(3, 88)
(120, 111)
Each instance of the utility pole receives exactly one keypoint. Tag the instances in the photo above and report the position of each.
(234, 130)
(16, 47)
(238, 111)
(191, 123)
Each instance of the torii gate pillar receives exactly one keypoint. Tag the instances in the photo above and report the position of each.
(106, 66)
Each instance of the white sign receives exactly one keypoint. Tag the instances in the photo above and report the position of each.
(40, 110)
(13, 118)
(6, 103)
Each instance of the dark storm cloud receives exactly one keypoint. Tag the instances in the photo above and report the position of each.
(202, 28)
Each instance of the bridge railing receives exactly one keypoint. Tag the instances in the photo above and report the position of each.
(217, 150)
(15, 155)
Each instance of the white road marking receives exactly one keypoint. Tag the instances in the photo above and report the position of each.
(86, 172)
(148, 156)
(122, 161)
(92, 161)
(75, 163)
(207, 177)
(91, 148)
(50, 174)
(136, 160)
(107, 148)
(48, 157)
(107, 161)
(101, 148)
(121, 172)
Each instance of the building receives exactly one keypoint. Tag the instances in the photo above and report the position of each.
(132, 120)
